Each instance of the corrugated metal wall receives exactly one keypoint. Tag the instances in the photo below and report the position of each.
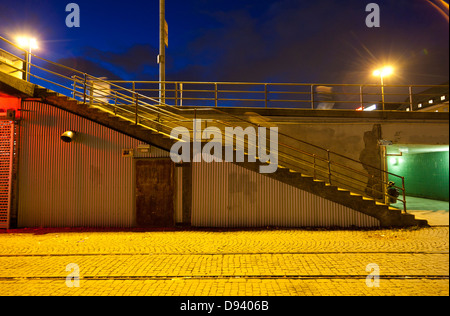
(6, 170)
(85, 183)
(226, 195)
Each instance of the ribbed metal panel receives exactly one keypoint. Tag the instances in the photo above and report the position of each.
(178, 195)
(226, 195)
(85, 183)
(6, 161)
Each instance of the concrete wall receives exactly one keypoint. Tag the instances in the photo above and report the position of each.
(347, 137)
(341, 131)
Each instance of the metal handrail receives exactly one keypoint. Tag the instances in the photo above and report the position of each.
(177, 91)
(134, 105)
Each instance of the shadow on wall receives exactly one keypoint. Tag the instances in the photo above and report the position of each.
(370, 156)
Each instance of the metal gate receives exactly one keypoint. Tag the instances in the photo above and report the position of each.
(6, 164)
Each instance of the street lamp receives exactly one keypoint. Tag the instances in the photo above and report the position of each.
(163, 41)
(383, 73)
(28, 44)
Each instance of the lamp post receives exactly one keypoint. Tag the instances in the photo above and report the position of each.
(162, 51)
(28, 44)
(383, 73)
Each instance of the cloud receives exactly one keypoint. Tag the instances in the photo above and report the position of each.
(137, 62)
(314, 41)
(287, 41)
(135, 59)
(81, 64)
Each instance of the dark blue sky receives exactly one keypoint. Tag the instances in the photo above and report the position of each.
(320, 41)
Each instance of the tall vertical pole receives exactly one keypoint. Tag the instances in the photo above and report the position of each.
(382, 91)
(162, 51)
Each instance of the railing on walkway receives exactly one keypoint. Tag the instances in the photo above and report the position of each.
(136, 104)
(283, 95)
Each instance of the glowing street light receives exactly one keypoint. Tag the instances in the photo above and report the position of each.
(383, 73)
(29, 44)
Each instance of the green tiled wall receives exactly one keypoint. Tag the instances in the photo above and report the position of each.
(426, 175)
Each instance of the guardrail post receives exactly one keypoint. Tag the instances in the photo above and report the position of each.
(314, 170)
(266, 95)
(410, 98)
(181, 94)
(136, 101)
(115, 105)
(215, 95)
(312, 97)
(361, 96)
(176, 93)
(404, 195)
(329, 165)
(91, 93)
(27, 65)
(74, 86)
(85, 88)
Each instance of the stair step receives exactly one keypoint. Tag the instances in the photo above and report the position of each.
(410, 219)
(421, 222)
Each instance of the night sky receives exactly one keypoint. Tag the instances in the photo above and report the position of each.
(298, 41)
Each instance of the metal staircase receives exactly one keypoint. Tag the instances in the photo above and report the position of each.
(303, 165)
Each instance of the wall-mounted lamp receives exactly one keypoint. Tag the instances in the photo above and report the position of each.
(68, 136)
(394, 161)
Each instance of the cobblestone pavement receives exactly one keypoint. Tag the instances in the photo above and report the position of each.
(229, 263)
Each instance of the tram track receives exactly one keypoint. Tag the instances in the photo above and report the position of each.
(229, 277)
(225, 253)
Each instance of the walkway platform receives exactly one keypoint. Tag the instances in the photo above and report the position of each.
(434, 211)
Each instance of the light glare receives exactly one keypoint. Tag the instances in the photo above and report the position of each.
(27, 42)
(384, 72)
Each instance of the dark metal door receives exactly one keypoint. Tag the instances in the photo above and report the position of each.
(155, 193)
